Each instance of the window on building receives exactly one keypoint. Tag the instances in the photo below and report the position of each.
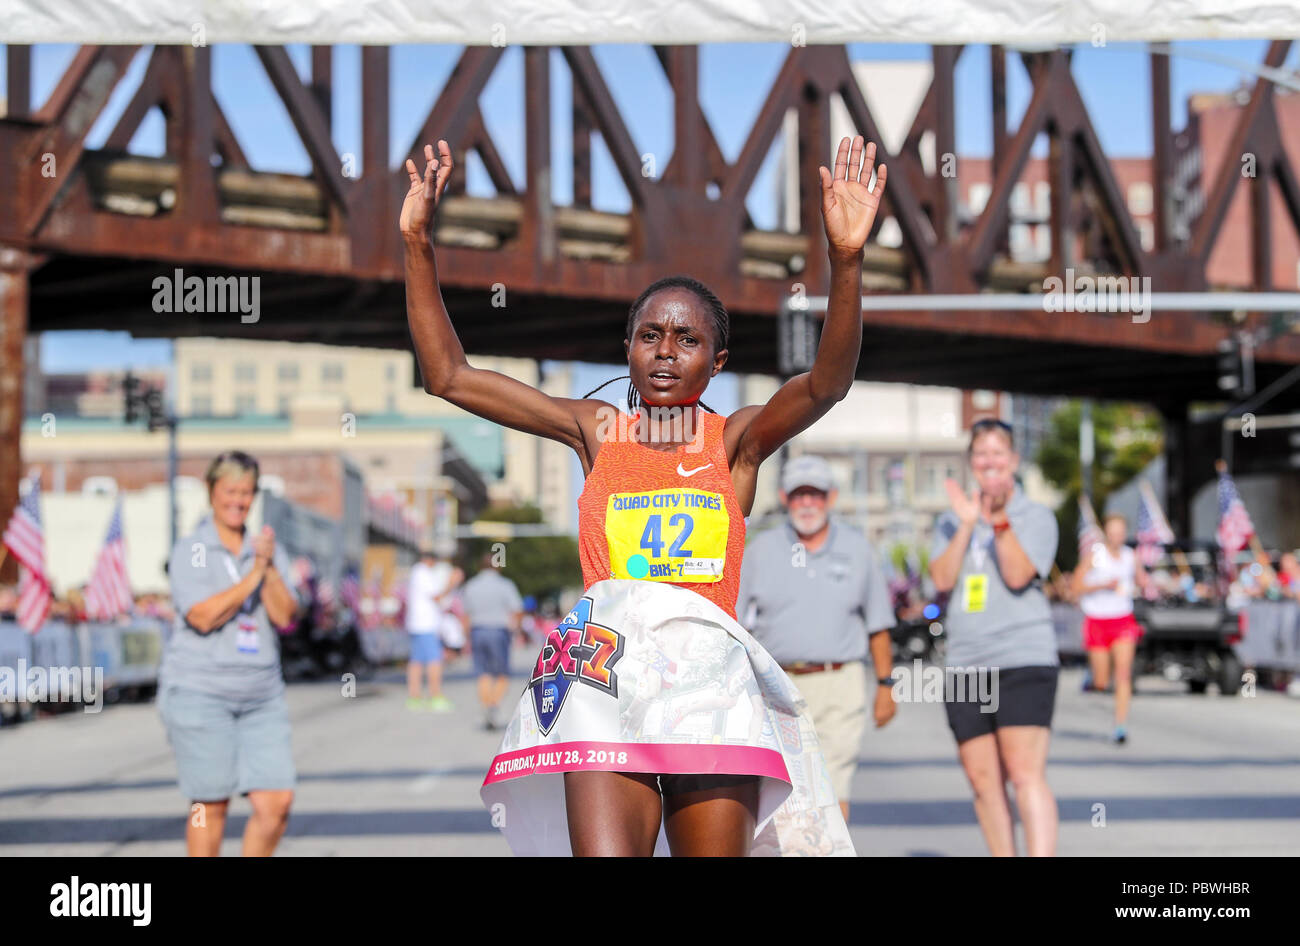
(331, 371)
(933, 471)
(979, 197)
(282, 405)
(878, 472)
(288, 371)
(245, 371)
(1020, 205)
(1147, 234)
(390, 371)
(1021, 241)
(1042, 199)
(1139, 198)
(1043, 237)
(929, 482)
(201, 407)
(201, 371)
(245, 404)
(390, 403)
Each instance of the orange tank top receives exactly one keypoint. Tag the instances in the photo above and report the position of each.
(659, 515)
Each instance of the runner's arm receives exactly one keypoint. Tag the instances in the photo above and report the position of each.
(443, 367)
(848, 211)
(449, 375)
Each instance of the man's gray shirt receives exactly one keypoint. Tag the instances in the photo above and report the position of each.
(491, 599)
(200, 567)
(1006, 628)
(813, 606)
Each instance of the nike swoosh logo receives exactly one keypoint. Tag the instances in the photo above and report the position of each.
(685, 472)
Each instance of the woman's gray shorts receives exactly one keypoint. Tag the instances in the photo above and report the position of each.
(226, 746)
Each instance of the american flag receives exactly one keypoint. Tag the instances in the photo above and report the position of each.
(26, 540)
(350, 592)
(1152, 528)
(1090, 533)
(109, 591)
(372, 595)
(1235, 527)
(400, 590)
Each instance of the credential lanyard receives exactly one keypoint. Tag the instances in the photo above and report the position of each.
(233, 569)
(979, 548)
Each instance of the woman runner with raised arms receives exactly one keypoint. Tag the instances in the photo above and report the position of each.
(661, 534)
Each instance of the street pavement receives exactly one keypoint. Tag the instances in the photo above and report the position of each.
(1204, 775)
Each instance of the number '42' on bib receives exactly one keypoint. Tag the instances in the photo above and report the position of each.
(677, 535)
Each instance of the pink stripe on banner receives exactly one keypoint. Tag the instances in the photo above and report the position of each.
(637, 757)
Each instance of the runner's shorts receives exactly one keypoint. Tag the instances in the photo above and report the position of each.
(980, 701)
(1101, 633)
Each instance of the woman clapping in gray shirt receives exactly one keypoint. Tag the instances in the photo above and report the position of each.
(220, 691)
(992, 552)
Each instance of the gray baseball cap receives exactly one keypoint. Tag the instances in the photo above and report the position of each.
(807, 470)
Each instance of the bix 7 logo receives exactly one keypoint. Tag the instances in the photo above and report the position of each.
(578, 650)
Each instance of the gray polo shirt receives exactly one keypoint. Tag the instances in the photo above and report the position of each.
(200, 567)
(988, 624)
(491, 599)
(813, 606)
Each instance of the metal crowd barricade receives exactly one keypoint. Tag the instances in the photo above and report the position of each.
(55, 654)
(1271, 640)
(15, 658)
(1272, 636)
(130, 653)
(1067, 621)
(384, 645)
(65, 662)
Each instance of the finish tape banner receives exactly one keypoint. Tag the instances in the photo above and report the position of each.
(647, 677)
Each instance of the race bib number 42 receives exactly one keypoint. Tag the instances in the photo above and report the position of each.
(677, 535)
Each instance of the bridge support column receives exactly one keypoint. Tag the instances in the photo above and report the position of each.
(13, 335)
(1178, 479)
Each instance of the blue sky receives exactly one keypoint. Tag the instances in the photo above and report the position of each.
(733, 81)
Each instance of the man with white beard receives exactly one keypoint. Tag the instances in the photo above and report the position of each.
(813, 594)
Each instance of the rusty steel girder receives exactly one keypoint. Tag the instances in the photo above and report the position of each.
(326, 244)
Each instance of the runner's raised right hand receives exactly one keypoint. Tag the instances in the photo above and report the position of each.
(422, 199)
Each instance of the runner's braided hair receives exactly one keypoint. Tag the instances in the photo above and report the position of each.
(721, 326)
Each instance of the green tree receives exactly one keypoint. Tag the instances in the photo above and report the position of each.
(1126, 437)
(539, 565)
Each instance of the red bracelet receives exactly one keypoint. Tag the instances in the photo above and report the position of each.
(1001, 527)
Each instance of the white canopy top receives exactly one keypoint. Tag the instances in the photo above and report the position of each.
(585, 22)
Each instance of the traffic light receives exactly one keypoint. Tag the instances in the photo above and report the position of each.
(796, 340)
(153, 400)
(131, 398)
(1229, 365)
